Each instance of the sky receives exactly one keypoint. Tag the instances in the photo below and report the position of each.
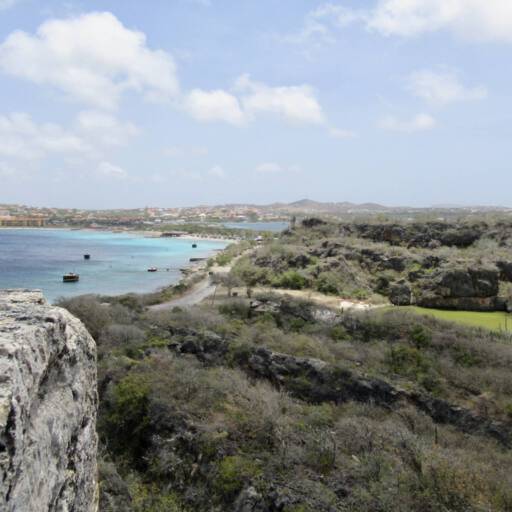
(123, 103)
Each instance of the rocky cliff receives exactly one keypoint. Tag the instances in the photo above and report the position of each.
(48, 403)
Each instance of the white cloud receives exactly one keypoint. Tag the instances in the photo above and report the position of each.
(186, 174)
(443, 88)
(479, 20)
(91, 135)
(111, 171)
(215, 105)
(475, 20)
(338, 15)
(22, 138)
(320, 26)
(293, 103)
(275, 168)
(92, 58)
(337, 133)
(158, 178)
(104, 128)
(269, 168)
(7, 4)
(251, 99)
(181, 151)
(204, 3)
(6, 171)
(312, 32)
(421, 122)
(217, 172)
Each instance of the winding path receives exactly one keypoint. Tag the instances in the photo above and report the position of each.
(196, 294)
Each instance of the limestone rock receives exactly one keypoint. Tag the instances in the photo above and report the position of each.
(505, 270)
(400, 294)
(48, 402)
(472, 289)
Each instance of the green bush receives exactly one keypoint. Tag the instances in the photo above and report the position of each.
(339, 333)
(223, 259)
(420, 336)
(128, 418)
(233, 472)
(290, 279)
(464, 357)
(407, 361)
(328, 282)
(149, 498)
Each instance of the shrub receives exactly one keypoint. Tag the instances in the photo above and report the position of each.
(339, 333)
(125, 337)
(90, 311)
(465, 357)
(128, 418)
(223, 259)
(328, 282)
(233, 472)
(420, 336)
(290, 279)
(149, 498)
(407, 361)
(235, 309)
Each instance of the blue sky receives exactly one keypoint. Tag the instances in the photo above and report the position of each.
(172, 103)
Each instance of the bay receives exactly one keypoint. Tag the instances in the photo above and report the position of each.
(38, 258)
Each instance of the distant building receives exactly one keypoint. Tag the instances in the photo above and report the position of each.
(16, 221)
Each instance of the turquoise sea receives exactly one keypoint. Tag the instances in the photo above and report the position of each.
(37, 258)
(275, 226)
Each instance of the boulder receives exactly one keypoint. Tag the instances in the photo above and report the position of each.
(505, 268)
(472, 289)
(313, 222)
(400, 293)
(460, 237)
(48, 403)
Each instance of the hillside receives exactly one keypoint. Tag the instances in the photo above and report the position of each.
(270, 403)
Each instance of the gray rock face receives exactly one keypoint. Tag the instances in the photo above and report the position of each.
(48, 402)
(400, 294)
(472, 289)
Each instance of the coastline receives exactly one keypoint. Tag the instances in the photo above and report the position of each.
(182, 272)
(136, 232)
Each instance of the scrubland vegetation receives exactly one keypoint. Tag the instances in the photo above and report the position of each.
(281, 406)
(264, 402)
(457, 266)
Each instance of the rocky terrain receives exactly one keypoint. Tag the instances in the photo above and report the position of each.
(463, 266)
(273, 404)
(48, 404)
(262, 402)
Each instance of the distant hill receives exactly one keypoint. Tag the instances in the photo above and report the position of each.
(308, 205)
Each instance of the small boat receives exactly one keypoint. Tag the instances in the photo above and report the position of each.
(194, 246)
(87, 256)
(70, 277)
(152, 269)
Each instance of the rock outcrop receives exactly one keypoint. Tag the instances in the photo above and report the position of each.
(429, 234)
(400, 294)
(48, 403)
(316, 381)
(471, 289)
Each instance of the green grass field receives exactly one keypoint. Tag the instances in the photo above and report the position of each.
(495, 321)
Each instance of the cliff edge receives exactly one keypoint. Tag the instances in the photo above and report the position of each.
(48, 403)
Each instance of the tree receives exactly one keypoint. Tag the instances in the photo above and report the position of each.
(249, 274)
(228, 280)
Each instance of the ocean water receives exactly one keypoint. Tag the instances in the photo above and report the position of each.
(275, 226)
(37, 258)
